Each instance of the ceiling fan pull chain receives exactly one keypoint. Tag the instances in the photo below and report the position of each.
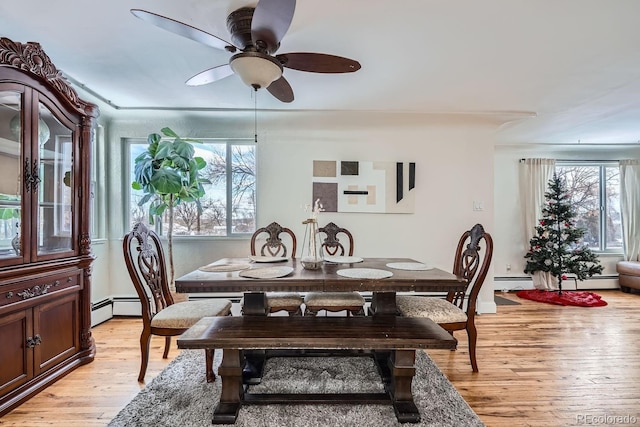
(255, 115)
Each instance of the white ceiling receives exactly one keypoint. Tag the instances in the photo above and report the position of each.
(568, 70)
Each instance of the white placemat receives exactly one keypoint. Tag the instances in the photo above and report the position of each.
(216, 268)
(261, 258)
(415, 266)
(364, 273)
(339, 259)
(266, 272)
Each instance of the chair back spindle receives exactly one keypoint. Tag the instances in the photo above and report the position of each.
(273, 246)
(331, 244)
(471, 263)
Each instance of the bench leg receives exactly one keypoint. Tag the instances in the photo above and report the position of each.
(230, 373)
(402, 363)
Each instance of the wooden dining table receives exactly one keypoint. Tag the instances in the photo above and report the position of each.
(382, 337)
(324, 279)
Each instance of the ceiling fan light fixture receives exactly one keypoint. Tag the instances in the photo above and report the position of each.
(256, 69)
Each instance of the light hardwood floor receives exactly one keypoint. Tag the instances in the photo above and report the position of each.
(540, 365)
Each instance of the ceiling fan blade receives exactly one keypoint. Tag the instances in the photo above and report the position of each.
(183, 29)
(281, 89)
(318, 62)
(211, 75)
(270, 22)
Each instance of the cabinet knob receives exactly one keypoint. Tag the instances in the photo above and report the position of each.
(9, 295)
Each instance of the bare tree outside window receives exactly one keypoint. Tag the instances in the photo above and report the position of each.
(241, 175)
(228, 206)
(595, 196)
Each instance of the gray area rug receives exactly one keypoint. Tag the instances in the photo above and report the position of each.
(180, 395)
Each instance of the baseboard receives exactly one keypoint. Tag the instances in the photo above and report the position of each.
(510, 284)
(126, 306)
(130, 306)
(101, 311)
(486, 307)
(599, 282)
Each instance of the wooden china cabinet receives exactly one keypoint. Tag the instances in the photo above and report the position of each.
(46, 133)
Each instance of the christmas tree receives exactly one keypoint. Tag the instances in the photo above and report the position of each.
(557, 246)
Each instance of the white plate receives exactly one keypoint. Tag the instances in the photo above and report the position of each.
(414, 266)
(266, 272)
(217, 268)
(364, 273)
(343, 259)
(260, 258)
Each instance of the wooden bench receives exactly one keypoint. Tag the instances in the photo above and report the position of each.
(393, 341)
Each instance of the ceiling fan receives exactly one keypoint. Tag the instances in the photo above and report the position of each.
(255, 34)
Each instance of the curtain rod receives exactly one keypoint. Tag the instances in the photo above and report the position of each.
(580, 161)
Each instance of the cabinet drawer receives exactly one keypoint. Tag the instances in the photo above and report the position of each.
(29, 289)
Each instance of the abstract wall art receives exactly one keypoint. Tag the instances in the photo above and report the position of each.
(364, 186)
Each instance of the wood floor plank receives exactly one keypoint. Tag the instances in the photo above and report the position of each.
(540, 365)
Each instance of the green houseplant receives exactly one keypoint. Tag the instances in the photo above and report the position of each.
(168, 172)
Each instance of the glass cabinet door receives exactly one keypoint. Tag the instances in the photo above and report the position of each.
(55, 195)
(11, 151)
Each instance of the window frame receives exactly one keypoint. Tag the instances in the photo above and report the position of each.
(229, 143)
(602, 165)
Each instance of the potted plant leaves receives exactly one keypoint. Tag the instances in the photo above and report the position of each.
(168, 172)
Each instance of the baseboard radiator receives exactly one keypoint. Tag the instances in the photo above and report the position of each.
(512, 284)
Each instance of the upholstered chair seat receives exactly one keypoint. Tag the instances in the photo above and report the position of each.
(334, 301)
(437, 309)
(184, 315)
(282, 300)
(290, 302)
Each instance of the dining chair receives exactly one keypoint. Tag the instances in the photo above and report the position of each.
(471, 263)
(267, 241)
(145, 260)
(351, 302)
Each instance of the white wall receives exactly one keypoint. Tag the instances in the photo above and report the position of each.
(454, 158)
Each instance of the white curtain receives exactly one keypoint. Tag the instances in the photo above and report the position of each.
(534, 178)
(630, 207)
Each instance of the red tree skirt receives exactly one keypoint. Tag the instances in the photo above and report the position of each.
(577, 298)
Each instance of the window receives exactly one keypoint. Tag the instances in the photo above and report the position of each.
(595, 195)
(97, 201)
(229, 204)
